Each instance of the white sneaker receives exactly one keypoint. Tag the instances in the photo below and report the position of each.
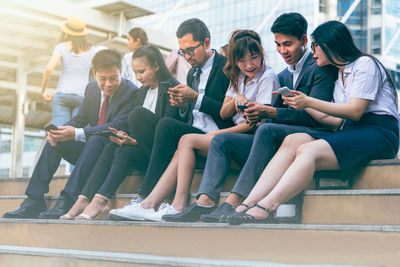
(132, 211)
(165, 208)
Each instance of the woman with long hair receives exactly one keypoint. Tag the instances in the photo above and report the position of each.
(75, 55)
(125, 152)
(364, 113)
(250, 80)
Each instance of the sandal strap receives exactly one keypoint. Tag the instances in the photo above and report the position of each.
(271, 213)
(261, 207)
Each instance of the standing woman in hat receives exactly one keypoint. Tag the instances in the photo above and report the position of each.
(76, 56)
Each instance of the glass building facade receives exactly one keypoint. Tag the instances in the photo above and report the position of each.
(224, 16)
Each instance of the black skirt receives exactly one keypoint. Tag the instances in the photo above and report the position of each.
(358, 142)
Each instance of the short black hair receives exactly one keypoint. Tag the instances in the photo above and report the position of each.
(293, 24)
(139, 33)
(194, 26)
(106, 58)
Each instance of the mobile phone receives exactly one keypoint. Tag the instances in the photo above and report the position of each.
(50, 127)
(166, 85)
(242, 107)
(107, 133)
(285, 91)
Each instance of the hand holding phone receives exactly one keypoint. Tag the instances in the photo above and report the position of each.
(166, 84)
(285, 91)
(241, 107)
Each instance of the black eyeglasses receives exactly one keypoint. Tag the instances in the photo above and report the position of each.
(313, 46)
(189, 51)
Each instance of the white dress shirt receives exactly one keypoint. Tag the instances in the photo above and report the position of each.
(299, 65)
(202, 120)
(79, 133)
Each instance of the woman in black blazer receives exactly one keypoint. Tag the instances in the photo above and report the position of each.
(125, 152)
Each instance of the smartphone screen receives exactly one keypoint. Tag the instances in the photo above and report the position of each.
(50, 127)
(242, 107)
(285, 91)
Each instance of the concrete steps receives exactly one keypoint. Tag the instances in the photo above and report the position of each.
(351, 227)
(19, 256)
(353, 207)
(301, 244)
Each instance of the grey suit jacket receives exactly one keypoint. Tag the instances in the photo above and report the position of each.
(317, 82)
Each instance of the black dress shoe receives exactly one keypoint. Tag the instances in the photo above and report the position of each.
(190, 214)
(62, 206)
(29, 209)
(220, 214)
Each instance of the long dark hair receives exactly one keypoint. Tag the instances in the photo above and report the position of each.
(154, 57)
(240, 42)
(79, 43)
(336, 41)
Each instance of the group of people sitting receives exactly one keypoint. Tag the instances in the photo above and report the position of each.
(340, 112)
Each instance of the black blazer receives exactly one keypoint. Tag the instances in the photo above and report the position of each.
(117, 113)
(215, 90)
(163, 107)
(317, 82)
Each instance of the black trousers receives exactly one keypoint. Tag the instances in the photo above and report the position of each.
(116, 162)
(166, 139)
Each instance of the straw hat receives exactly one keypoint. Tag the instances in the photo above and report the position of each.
(74, 26)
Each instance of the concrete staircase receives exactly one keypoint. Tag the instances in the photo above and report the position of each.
(360, 226)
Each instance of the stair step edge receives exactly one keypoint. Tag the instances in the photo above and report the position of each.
(134, 257)
(202, 225)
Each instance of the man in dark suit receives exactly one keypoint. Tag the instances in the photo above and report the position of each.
(253, 152)
(76, 140)
(199, 102)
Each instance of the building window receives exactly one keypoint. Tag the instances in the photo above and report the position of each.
(322, 6)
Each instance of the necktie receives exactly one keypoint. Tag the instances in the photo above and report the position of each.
(103, 111)
(196, 79)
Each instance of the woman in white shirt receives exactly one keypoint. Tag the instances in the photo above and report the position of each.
(75, 55)
(364, 113)
(251, 80)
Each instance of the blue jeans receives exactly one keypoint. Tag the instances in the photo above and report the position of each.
(251, 152)
(64, 107)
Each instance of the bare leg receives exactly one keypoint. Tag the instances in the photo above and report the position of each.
(189, 146)
(164, 187)
(80, 204)
(96, 206)
(316, 155)
(276, 168)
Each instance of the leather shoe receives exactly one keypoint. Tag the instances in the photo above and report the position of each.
(190, 214)
(29, 209)
(220, 214)
(62, 206)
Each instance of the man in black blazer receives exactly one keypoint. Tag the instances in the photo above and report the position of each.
(253, 152)
(76, 140)
(199, 101)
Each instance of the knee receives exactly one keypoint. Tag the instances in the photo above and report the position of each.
(186, 141)
(293, 141)
(165, 125)
(306, 149)
(136, 116)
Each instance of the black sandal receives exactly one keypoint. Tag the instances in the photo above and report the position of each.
(239, 218)
(224, 219)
